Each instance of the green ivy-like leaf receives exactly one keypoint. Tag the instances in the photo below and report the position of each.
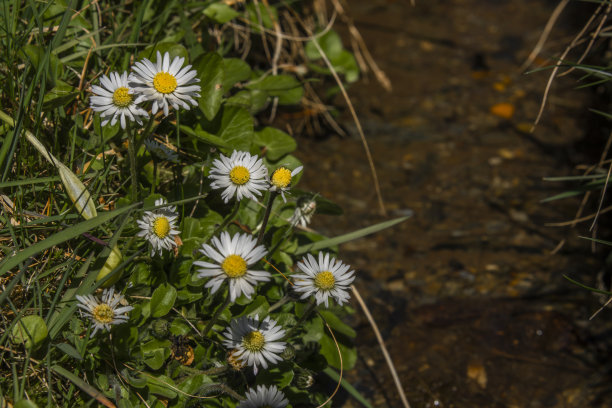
(220, 12)
(29, 330)
(236, 70)
(162, 300)
(211, 73)
(276, 142)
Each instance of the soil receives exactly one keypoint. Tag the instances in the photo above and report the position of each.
(469, 293)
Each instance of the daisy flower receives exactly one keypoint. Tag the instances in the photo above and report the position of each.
(264, 397)
(104, 313)
(232, 257)
(256, 343)
(165, 82)
(281, 179)
(115, 99)
(325, 278)
(241, 173)
(159, 227)
(303, 212)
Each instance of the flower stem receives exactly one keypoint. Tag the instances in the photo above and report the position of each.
(227, 219)
(262, 231)
(311, 306)
(132, 155)
(218, 312)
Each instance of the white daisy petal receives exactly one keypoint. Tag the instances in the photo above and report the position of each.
(165, 81)
(159, 227)
(103, 312)
(116, 99)
(241, 173)
(249, 339)
(231, 258)
(326, 278)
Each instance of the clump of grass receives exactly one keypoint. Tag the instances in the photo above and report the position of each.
(133, 272)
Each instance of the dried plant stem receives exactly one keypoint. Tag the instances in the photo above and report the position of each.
(383, 348)
(366, 147)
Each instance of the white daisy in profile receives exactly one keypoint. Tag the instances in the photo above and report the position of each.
(304, 211)
(242, 174)
(159, 227)
(104, 313)
(264, 397)
(254, 342)
(160, 150)
(325, 278)
(165, 82)
(233, 256)
(281, 179)
(115, 100)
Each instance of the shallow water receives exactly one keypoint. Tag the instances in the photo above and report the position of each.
(471, 302)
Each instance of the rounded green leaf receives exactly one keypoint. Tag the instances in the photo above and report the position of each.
(211, 73)
(162, 300)
(29, 330)
(220, 12)
(276, 142)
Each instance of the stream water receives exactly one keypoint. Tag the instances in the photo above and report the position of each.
(468, 293)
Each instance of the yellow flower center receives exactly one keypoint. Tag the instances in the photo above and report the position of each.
(325, 280)
(240, 175)
(103, 313)
(254, 341)
(161, 227)
(122, 98)
(234, 266)
(281, 178)
(164, 82)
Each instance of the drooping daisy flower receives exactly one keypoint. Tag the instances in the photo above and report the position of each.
(115, 99)
(160, 150)
(233, 256)
(165, 82)
(328, 277)
(241, 173)
(159, 227)
(304, 211)
(281, 179)
(264, 397)
(256, 343)
(104, 313)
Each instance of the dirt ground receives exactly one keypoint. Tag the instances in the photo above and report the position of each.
(467, 293)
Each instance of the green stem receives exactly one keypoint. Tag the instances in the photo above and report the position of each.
(262, 231)
(304, 316)
(227, 219)
(218, 312)
(132, 155)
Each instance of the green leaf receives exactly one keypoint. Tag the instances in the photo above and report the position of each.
(330, 352)
(348, 387)
(336, 324)
(237, 128)
(211, 73)
(288, 89)
(91, 391)
(173, 49)
(330, 43)
(162, 386)
(156, 358)
(236, 70)
(204, 136)
(267, 15)
(59, 95)
(346, 64)
(259, 307)
(326, 243)
(56, 239)
(220, 12)
(25, 404)
(162, 300)
(29, 330)
(314, 330)
(281, 376)
(276, 142)
(69, 350)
